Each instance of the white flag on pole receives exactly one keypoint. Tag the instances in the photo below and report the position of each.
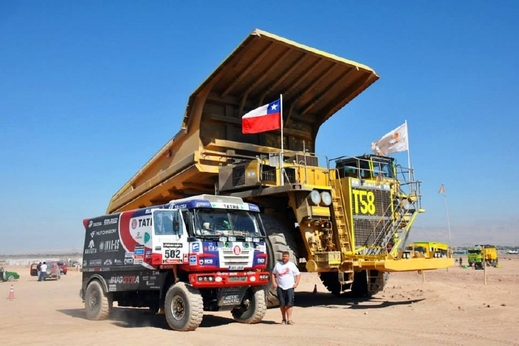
(392, 142)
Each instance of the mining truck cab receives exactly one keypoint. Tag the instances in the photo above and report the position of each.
(367, 167)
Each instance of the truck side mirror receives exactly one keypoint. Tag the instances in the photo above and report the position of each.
(177, 228)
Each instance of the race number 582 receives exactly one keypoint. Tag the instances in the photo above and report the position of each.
(172, 254)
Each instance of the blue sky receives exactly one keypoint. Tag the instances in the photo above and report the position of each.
(90, 90)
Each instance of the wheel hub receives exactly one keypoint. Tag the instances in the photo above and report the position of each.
(178, 308)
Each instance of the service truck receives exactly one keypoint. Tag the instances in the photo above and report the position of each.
(201, 253)
(480, 253)
(346, 218)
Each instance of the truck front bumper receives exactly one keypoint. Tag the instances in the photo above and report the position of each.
(228, 279)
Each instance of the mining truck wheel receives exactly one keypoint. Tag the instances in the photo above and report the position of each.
(377, 284)
(280, 239)
(359, 287)
(184, 307)
(275, 231)
(98, 305)
(330, 280)
(253, 307)
(362, 288)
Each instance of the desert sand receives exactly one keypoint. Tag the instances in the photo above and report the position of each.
(442, 307)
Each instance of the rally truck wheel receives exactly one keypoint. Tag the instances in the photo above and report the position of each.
(280, 239)
(184, 307)
(98, 305)
(253, 307)
(10, 278)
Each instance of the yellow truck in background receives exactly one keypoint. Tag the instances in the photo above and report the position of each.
(480, 253)
(346, 218)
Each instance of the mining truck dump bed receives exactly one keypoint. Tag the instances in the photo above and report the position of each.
(314, 84)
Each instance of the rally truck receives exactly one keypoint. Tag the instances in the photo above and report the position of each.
(201, 253)
(346, 218)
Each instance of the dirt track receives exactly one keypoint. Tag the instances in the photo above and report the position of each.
(452, 307)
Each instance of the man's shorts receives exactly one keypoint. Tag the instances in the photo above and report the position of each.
(286, 297)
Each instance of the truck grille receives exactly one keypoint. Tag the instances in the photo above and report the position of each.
(369, 227)
(230, 259)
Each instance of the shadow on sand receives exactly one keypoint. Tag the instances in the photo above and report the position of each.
(328, 300)
(138, 317)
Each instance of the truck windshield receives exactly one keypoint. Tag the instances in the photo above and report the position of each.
(226, 222)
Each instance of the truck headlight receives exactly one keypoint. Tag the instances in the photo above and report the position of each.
(314, 197)
(326, 198)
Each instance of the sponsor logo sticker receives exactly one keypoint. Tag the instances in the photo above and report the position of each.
(195, 247)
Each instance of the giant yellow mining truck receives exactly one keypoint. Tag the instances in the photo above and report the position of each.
(346, 218)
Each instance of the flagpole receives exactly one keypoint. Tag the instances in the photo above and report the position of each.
(448, 218)
(282, 179)
(411, 176)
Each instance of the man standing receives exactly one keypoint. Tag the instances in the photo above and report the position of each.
(285, 277)
(43, 272)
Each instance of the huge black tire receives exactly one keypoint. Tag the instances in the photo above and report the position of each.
(276, 231)
(330, 280)
(98, 305)
(253, 307)
(184, 307)
(280, 239)
(366, 287)
(360, 286)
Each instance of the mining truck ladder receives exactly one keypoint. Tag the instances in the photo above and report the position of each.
(338, 214)
(404, 212)
(345, 273)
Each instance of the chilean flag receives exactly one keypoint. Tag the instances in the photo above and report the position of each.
(261, 119)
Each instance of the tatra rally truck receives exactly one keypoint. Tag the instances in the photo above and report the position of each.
(201, 253)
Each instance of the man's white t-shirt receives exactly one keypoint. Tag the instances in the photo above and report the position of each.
(43, 267)
(285, 274)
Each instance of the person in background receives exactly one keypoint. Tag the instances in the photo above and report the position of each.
(2, 273)
(285, 278)
(43, 272)
(38, 268)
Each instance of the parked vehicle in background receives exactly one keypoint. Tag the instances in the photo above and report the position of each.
(34, 269)
(7, 275)
(53, 271)
(480, 253)
(63, 267)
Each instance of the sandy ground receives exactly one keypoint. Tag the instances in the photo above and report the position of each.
(444, 307)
